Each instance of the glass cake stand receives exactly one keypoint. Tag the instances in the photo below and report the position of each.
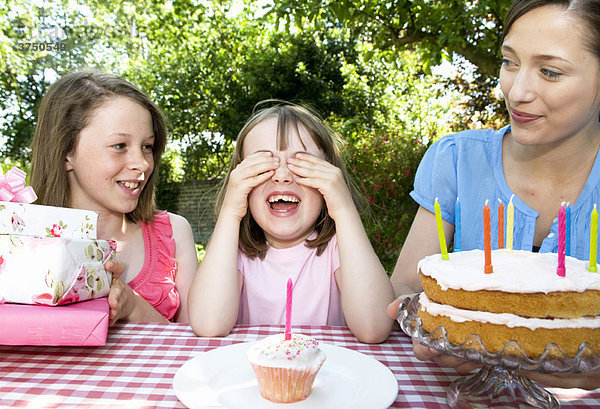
(497, 384)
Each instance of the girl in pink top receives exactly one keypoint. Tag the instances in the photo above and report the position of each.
(287, 209)
(97, 145)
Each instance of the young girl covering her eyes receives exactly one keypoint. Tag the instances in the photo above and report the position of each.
(97, 146)
(287, 210)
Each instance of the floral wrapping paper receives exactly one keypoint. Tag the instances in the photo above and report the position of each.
(53, 270)
(47, 221)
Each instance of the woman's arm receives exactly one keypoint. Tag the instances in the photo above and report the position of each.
(187, 262)
(422, 240)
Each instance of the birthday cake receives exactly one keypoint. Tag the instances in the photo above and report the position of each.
(286, 369)
(523, 300)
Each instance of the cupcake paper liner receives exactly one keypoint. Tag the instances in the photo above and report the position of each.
(285, 385)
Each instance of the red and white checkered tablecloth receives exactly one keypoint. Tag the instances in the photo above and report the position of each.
(135, 369)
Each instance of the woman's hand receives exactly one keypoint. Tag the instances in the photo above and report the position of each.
(587, 380)
(424, 353)
(255, 169)
(328, 179)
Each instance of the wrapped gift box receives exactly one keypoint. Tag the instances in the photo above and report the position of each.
(53, 270)
(80, 324)
(47, 221)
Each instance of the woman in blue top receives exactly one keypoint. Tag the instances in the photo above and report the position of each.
(550, 79)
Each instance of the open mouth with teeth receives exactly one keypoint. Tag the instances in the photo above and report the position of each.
(283, 203)
(130, 185)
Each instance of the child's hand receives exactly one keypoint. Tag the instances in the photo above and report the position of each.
(255, 169)
(121, 300)
(317, 173)
(115, 268)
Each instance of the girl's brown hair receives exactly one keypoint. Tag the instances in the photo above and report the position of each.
(65, 110)
(290, 118)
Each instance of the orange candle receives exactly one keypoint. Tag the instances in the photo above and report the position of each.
(500, 225)
(487, 239)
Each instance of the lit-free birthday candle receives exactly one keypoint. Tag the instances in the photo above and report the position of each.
(568, 230)
(510, 216)
(560, 269)
(440, 229)
(457, 227)
(500, 225)
(288, 310)
(593, 241)
(487, 239)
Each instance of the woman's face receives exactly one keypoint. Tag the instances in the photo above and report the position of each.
(284, 209)
(550, 80)
(113, 158)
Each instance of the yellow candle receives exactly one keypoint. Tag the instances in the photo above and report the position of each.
(593, 241)
(509, 225)
(440, 229)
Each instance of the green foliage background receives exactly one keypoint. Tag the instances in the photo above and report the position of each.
(366, 66)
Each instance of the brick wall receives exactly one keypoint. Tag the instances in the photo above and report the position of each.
(195, 201)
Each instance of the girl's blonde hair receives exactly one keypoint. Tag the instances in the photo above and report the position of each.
(64, 112)
(290, 118)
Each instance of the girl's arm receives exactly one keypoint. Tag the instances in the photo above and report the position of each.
(214, 297)
(126, 304)
(365, 287)
(215, 292)
(187, 262)
(422, 240)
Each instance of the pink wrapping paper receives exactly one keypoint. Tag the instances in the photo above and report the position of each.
(80, 324)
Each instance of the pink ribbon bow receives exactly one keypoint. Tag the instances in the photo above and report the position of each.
(13, 189)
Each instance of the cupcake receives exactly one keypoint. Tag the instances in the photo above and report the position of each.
(286, 370)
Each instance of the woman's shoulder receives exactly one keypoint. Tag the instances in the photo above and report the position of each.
(468, 145)
(469, 136)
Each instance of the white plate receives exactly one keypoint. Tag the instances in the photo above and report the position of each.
(223, 378)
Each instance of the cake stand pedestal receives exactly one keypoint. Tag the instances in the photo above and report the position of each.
(497, 384)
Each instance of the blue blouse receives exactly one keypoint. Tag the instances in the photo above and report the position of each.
(468, 165)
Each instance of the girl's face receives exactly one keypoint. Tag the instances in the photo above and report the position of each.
(550, 80)
(285, 210)
(113, 158)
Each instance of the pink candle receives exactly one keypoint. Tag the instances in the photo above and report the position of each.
(500, 225)
(487, 239)
(288, 311)
(560, 270)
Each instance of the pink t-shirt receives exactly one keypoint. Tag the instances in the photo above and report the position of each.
(316, 296)
(156, 281)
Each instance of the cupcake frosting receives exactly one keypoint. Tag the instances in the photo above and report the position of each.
(275, 351)
(514, 272)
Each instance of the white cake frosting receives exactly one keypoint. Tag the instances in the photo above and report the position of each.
(514, 272)
(298, 352)
(510, 320)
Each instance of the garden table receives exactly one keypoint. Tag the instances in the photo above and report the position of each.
(136, 367)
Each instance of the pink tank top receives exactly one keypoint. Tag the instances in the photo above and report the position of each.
(156, 281)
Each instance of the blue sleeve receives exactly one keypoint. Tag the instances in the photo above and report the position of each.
(436, 177)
